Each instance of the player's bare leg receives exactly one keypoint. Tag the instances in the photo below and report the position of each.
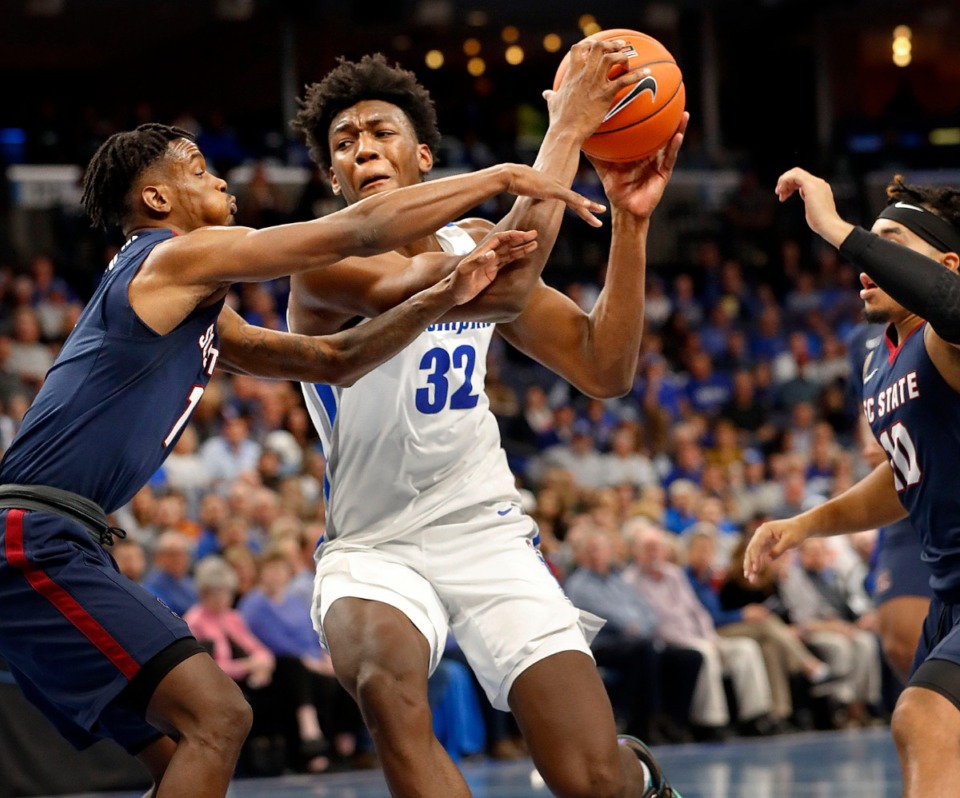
(201, 708)
(901, 620)
(566, 719)
(155, 758)
(926, 729)
(383, 660)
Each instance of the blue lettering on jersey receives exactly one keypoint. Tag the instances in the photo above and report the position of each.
(459, 326)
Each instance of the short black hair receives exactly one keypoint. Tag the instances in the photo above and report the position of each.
(117, 164)
(944, 201)
(350, 82)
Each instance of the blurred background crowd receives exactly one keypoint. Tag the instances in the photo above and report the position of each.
(742, 407)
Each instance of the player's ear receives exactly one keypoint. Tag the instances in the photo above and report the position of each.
(951, 260)
(156, 197)
(424, 158)
(334, 183)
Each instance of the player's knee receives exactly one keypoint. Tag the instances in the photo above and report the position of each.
(388, 696)
(592, 779)
(224, 721)
(912, 722)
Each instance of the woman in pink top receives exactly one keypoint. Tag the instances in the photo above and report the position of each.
(222, 629)
(245, 659)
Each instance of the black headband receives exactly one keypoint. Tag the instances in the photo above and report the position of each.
(937, 232)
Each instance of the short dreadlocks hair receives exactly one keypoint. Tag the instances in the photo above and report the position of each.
(117, 164)
(943, 201)
(350, 82)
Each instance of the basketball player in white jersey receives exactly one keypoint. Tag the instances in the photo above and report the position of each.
(425, 534)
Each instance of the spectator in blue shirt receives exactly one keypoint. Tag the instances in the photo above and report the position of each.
(783, 652)
(169, 579)
(282, 622)
(652, 683)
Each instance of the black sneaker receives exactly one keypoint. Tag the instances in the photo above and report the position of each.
(656, 784)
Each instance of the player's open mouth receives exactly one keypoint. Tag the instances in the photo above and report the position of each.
(866, 282)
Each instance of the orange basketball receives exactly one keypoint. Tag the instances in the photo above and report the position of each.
(643, 116)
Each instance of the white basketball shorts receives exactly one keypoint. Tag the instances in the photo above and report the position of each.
(477, 573)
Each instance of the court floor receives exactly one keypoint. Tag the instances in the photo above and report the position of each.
(850, 764)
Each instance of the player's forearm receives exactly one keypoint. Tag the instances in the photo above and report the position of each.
(559, 157)
(922, 285)
(341, 358)
(597, 352)
(871, 503)
(390, 220)
(616, 320)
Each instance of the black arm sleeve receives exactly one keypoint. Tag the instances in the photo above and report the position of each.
(920, 284)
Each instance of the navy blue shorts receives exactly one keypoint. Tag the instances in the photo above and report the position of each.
(899, 570)
(936, 665)
(75, 631)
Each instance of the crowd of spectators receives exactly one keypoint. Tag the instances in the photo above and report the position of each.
(739, 412)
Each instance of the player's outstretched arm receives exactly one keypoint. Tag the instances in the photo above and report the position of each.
(373, 225)
(871, 503)
(598, 351)
(921, 284)
(344, 357)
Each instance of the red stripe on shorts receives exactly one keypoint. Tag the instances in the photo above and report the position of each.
(68, 606)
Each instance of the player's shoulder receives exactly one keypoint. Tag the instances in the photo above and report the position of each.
(475, 226)
(184, 249)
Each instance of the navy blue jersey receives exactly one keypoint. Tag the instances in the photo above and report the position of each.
(915, 416)
(118, 396)
(862, 341)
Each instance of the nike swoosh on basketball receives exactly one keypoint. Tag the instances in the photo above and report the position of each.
(867, 378)
(649, 83)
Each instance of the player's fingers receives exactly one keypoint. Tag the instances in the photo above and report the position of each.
(615, 58)
(516, 253)
(510, 244)
(585, 214)
(671, 151)
(625, 80)
(511, 238)
(608, 46)
(590, 51)
(787, 184)
(781, 545)
(584, 208)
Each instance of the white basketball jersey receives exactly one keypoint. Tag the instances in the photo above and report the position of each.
(414, 440)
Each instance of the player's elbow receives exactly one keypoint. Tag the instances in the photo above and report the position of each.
(606, 386)
(503, 310)
(340, 369)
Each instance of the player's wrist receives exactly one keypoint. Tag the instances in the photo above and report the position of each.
(439, 298)
(833, 229)
(572, 132)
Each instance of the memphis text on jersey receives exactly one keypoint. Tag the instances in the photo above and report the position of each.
(459, 326)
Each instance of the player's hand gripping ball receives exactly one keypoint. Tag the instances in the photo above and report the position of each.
(643, 116)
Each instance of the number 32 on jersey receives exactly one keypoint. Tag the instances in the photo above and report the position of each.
(447, 376)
